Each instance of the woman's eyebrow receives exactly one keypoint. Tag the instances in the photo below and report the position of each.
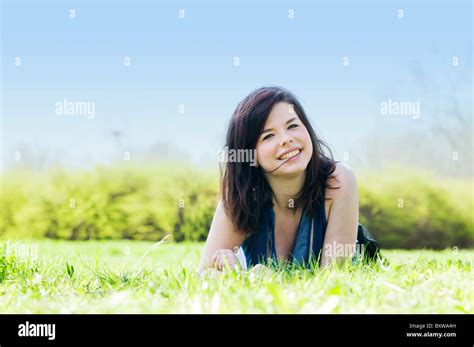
(288, 121)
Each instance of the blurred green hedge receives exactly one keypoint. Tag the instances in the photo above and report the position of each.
(413, 209)
(403, 209)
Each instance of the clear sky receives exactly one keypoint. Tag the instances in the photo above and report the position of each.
(79, 50)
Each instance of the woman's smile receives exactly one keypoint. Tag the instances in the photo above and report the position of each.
(293, 155)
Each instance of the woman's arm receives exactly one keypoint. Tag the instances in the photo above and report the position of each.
(222, 239)
(341, 232)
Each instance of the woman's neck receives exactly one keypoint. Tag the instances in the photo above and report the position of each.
(286, 189)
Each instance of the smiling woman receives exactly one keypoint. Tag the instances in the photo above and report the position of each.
(296, 205)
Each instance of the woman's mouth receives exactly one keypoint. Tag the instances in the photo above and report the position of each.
(292, 155)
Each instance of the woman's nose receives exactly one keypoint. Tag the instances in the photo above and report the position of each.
(286, 138)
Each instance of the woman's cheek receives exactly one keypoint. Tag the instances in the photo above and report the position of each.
(303, 135)
(306, 139)
(265, 154)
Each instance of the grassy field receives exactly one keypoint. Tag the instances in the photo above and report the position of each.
(136, 277)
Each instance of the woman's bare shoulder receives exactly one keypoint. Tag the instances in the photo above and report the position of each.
(343, 177)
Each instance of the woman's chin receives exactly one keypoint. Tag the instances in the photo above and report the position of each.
(292, 171)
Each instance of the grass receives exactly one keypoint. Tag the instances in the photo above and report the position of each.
(121, 277)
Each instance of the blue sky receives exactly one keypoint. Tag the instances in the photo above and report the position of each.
(190, 61)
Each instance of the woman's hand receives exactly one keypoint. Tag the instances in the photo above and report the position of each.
(224, 259)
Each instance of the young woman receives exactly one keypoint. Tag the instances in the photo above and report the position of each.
(295, 204)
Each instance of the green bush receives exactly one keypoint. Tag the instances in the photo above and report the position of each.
(402, 208)
(109, 203)
(412, 209)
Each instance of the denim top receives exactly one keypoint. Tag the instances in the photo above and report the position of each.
(309, 239)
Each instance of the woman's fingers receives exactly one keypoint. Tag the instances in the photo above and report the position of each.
(227, 259)
(224, 258)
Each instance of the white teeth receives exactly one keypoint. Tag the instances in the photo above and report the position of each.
(289, 155)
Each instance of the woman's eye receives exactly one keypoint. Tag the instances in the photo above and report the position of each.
(267, 137)
(290, 127)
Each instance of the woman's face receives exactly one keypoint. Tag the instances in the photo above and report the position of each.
(283, 132)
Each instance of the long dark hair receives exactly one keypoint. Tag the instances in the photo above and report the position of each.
(244, 191)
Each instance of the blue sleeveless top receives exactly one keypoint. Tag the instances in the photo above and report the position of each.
(309, 239)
